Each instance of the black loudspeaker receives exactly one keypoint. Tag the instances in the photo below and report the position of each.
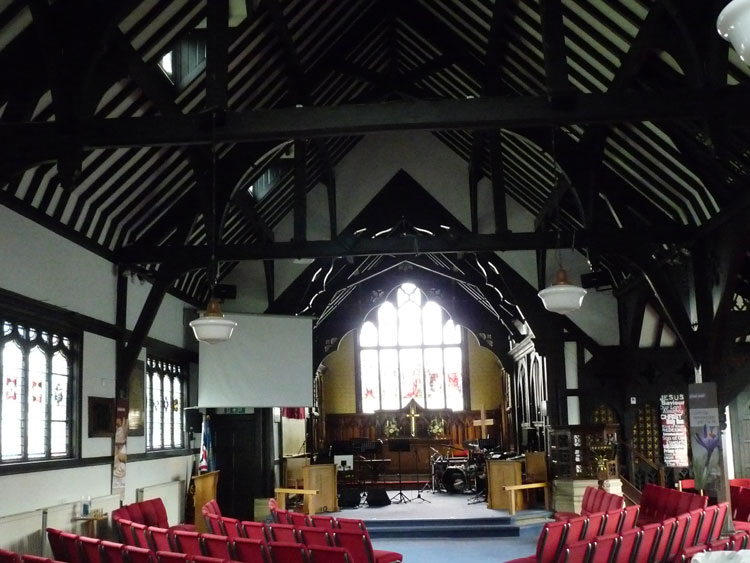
(378, 497)
(350, 498)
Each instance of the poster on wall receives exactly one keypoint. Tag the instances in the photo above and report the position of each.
(121, 451)
(705, 435)
(674, 432)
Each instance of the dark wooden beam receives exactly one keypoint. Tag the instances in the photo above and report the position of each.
(300, 190)
(308, 122)
(614, 240)
(555, 52)
(497, 173)
(475, 174)
(217, 54)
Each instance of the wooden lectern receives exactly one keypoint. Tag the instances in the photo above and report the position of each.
(205, 490)
(499, 474)
(322, 478)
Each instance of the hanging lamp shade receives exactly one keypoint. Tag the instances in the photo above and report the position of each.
(733, 24)
(562, 296)
(212, 327)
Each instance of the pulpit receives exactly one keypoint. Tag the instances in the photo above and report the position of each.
(321, 477)
(204, 486)
(499, 474)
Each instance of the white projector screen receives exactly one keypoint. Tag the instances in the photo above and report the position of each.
(266, 363)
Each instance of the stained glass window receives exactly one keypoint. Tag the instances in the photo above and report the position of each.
(37, 399)
(164, 400)
(410, 349)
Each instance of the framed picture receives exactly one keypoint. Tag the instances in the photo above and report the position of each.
(136, 399)
(101, 417)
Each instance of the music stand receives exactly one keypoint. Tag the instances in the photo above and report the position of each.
(399, 446)
(420, 489)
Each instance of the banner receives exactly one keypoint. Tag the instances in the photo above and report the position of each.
(705, 436)
(674, 432)
(121, 449)
(206, 462)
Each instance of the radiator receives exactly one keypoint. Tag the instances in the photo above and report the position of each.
(172, 494)
(22, 532)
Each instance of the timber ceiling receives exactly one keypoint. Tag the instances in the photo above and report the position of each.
(641, 103)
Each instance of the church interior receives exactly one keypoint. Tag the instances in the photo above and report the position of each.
(375, 253)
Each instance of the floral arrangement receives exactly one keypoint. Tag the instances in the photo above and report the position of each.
(392, 428)
(436, 427)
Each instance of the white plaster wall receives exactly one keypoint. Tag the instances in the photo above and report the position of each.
(98, 381)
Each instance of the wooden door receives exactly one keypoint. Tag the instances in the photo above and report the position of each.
(241, 458)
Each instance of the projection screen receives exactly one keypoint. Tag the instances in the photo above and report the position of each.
(266, 363)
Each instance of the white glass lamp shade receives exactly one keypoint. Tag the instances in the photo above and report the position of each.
(562, 297)
(212, 327)
(733, 25)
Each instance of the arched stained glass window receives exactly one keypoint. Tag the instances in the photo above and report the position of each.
(410, 350)
(164, 397)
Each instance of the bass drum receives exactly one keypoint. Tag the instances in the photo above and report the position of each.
(454, 480)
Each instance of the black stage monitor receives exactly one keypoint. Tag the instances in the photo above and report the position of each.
(372, 447)
(486, 443)
(340, 447)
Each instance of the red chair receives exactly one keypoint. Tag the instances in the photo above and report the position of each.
(254, 530)
(279, 516)
(124, 532)
(314, 536)
(171, 557)
(594, 526)
(740, 540)
(359, 547)
(352, 525)
(71, 547)
(694, 524)
(9, 556)
(297, 519)
(604, 548)
(612, 522)
(139, 534)
(35, 559)
(249, 551)
(230, 527)
(323, 554)
(677, 541)
(59, 550)
(187, 542)
(721, 544)
(576, 529)
(721, 514)
(661, 547)
(112, 552)
(90, 549)
(687, 554)
(206, 559)
(158, 539)
(646, 543)
(703, 536)
(629, 518)
(282, 532)
(578, 552)
(287, 552)
(213, 523)
(628, 542)
(321, 521)
(548, 546)
(216, 546)
(135, 554)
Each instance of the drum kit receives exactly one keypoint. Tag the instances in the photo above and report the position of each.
(459, 474)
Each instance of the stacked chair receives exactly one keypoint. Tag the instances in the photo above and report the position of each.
(650, 533)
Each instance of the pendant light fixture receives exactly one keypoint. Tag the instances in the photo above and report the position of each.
(733, 24)
(562, 296)
(212, 327)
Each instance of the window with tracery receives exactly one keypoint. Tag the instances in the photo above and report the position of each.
(37, 393)
(410, 349)
(164, 403)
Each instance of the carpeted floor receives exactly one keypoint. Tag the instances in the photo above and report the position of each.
(457, 508)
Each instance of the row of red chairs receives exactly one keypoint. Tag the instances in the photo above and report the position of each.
(658, 503)
(654, 542)
(13, 557)
(71, 548)
(594, 500)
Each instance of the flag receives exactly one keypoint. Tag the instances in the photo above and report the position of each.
(206, 462)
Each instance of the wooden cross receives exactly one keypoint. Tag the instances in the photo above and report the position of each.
(412, 416)
(483, 422)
